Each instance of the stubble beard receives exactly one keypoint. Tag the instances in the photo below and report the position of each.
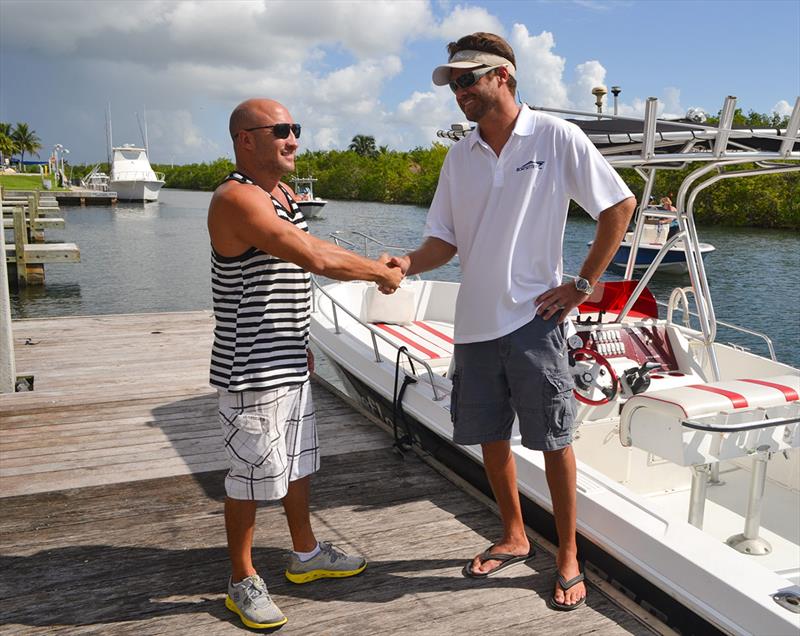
(475, 108)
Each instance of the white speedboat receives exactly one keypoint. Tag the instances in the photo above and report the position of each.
(309, 205)
(688, 461)
(132, 177)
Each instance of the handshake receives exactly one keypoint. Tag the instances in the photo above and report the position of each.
(394, 272)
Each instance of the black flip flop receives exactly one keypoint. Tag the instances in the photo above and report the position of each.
(506, 560)
(553, 604)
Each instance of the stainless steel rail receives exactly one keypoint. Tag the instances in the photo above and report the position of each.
(375, 335)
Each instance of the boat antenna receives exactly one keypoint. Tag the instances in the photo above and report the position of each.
(108, 134)
(143, 130)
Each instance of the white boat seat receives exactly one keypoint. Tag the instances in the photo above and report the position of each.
(704, 423)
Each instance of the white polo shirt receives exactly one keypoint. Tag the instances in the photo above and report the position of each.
(506, 216)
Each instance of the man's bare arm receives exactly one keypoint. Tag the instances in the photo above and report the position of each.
(431, 254)
(246, 217)
(611, 227)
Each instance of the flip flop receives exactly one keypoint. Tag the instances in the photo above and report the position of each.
(553, 604)
(506, 560)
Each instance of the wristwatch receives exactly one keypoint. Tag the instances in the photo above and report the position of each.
(583, 285)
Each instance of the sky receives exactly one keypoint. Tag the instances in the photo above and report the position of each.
(346, 68)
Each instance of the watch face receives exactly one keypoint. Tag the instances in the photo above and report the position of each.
(575, 341)
(583, 285)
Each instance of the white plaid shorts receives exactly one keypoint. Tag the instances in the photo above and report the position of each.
(270, 438)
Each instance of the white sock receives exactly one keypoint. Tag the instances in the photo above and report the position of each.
(305, 556)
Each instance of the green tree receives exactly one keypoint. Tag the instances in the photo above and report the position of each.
(26, 140)
(752, 119)
(7, 145)
(363, 145)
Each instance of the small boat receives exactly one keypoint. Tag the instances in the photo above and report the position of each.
(132, 177)
(654, 237)
(687, 447)
(95, 180)
(309, 205)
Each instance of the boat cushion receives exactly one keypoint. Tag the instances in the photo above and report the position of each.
(429, 340)
(662, 421)
(398, 308)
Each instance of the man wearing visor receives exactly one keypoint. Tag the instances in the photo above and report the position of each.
(501, 204)
(261, 256)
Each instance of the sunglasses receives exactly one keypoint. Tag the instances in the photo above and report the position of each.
(281, 131)
(470, 79)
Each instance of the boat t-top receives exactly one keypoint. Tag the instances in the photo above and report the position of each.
(688, 464)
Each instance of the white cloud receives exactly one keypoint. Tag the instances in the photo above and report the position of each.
(588, 76)
(464, 20)
(783, 108)
(174, 133)
(539, 70)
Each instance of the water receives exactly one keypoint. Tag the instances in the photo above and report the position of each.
(155, 257)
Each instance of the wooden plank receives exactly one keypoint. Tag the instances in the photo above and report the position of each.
(41, 223)
(134, 548)
(18, 248)
(45, 252)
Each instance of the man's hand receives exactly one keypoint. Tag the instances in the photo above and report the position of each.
(403, 262)
(393, 276)
(310, 360)
(559, 300)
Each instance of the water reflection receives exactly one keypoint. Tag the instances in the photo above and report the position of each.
(129, 210)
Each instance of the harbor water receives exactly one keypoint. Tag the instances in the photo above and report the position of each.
(155, 258)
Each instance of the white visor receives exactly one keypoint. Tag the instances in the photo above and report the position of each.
(469, 59)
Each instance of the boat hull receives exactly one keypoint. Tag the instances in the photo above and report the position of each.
(311, 209)
(674, 262)
(145, 191)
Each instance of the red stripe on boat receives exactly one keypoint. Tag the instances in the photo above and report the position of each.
(435, 332)
(739, 401)
(788, 392)
(406, 339)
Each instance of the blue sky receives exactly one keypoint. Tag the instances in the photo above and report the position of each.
(347, 68)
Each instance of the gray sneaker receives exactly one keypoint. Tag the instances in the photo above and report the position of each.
(328, 563)
(250, 600)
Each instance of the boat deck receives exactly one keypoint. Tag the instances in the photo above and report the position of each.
(111, 522)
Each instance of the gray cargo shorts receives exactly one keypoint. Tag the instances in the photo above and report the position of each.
(525, 373)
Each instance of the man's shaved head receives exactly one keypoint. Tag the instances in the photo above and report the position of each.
(256, 112)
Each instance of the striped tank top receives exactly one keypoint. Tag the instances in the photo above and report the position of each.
(262, 310)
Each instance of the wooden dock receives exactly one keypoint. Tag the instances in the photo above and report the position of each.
(111, 485)
(85, 197)
(29, 214)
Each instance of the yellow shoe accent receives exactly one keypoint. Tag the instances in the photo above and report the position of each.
(313, 575)
(232, 607)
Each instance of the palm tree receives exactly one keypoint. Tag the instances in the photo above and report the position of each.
(363, 145)
(7, 145)
(26, 141)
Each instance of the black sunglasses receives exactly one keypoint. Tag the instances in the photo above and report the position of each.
(469, 79)
(281, 131)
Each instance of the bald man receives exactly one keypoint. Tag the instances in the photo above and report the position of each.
(262, 257)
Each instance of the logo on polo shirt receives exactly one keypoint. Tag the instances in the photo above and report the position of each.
(530, 165)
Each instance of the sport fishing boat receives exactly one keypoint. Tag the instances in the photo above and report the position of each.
(132, 177)
(688, 477)
(309, 205)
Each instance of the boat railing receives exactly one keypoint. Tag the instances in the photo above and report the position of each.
(679, 301)
(368, 240)
(375, 336)
(138, 175)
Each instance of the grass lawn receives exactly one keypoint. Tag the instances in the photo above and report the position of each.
(22, 182)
